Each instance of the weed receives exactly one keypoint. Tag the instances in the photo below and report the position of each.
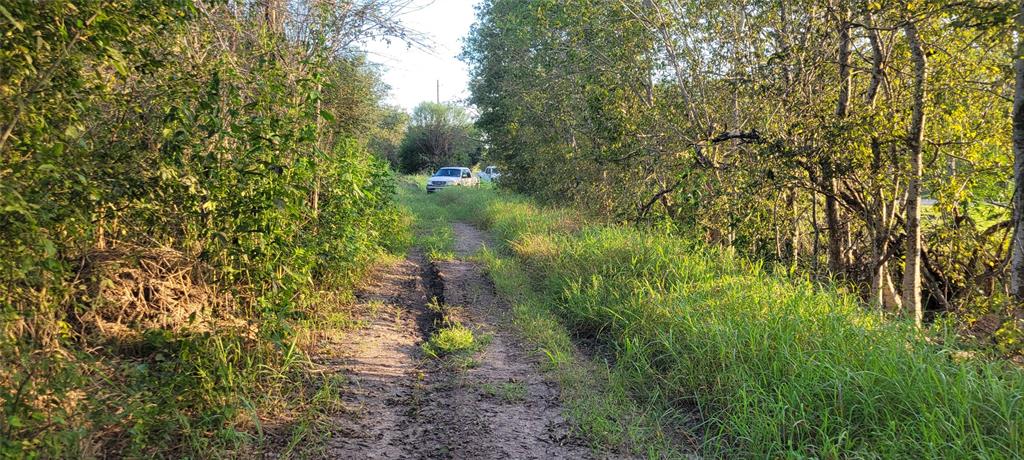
(435, 306)
(450, 340)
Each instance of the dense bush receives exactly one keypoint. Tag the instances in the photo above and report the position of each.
(210, 157)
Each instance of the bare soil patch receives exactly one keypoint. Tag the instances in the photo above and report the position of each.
(382, 362)
(398, 403)
(501, 407)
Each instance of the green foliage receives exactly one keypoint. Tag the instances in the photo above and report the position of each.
(438, 135)
(563, 92)
(721, 119)
(775, 366)
(60, 60)
(596, 400)
(388, 135)
(1010, 337)
(194, 138)
(449, 340)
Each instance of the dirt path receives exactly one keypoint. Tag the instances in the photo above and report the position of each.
(400, 404)
(382, 362)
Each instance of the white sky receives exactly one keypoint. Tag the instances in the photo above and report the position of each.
(412, 73)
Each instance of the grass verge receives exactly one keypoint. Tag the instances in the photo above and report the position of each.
(599, 406)
(773, 366)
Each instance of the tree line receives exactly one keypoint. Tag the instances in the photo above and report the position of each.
(871, 142)
(435, 135)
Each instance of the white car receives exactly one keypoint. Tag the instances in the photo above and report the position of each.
(489, 174)
(451, 176)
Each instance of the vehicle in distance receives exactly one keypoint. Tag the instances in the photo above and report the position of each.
(489, 174)
(451, 176)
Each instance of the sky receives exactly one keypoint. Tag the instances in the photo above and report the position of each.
(413, 74)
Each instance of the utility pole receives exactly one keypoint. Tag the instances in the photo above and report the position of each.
(438, 91)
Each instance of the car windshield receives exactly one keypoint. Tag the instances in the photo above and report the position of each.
(449, 172)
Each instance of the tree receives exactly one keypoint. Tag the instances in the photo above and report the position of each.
(1017, 245)
(438, 135)
(915, 137)
(729, 118)
(387, 136)
(836, 264)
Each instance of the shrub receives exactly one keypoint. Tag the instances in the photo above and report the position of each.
(175, 184)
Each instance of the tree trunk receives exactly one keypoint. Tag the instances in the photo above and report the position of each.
(877, 60)
(845, 76)
(883, 294)
(915, 137)
(817, 232)
(1017, 245)
(835, 230)
(273, 15)
(878, 248)
(794, 245)
(890, 297)
(315, 193)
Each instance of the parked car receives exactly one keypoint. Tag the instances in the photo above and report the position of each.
(489, 174)
(451, 176)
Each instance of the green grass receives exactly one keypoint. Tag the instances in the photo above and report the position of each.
(776, 367)
(450, 340)
(431, 228)
(595, 399)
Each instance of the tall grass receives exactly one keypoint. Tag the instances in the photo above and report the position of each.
(775, 366)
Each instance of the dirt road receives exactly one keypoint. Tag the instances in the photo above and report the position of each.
(401, 404)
